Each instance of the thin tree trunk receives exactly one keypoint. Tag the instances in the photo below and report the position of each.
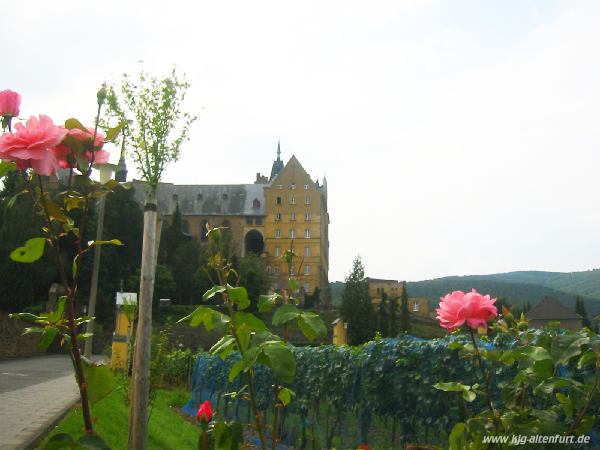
(138, 430)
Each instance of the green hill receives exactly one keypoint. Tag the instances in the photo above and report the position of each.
(519, 287)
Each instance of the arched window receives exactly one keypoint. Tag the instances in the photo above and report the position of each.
(256, 204)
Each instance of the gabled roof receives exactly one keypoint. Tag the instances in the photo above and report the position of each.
(550, 309)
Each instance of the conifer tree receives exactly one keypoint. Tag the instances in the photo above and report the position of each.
(357, 309)
(404, 315)
(384, 317)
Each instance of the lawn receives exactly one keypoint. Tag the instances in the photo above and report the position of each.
(167, 428)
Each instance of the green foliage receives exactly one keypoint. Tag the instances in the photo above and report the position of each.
(151, 108)
(357, 309)
(404, 314)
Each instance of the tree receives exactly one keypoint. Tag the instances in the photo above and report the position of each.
(357, 310)
(253, 276)
(150, 110)
(580, 309)
(393, 312)
(383, 316)
(404, 315)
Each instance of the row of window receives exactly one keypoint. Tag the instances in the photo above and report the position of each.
(307, 233)
(307, 216)
(307, 200)
(292, 186)
(278, 251)
(276, 270)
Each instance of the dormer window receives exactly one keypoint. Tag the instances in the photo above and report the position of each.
(199, 197)
(293, 186)
(256, 204)
(225, 197)
(280, 186)
(175, 197)
(306, 186)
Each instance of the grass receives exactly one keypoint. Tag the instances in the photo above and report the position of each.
(167, 428)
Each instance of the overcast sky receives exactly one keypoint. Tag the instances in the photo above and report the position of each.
(458, 137)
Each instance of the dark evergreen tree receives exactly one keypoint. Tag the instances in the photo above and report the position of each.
(384, 316)
(394, 322)
(253, 276)
(357, 310)
(404, 314)
(580, 309)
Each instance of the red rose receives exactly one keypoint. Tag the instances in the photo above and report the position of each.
(205, 412)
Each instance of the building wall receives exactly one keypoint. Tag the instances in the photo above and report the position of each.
(296, 218)
(571, 324)
(393, 289)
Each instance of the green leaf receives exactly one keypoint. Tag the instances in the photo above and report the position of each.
(228, 435)
(452, 386)
(455, 345)
(84, 336)
(293, 284)
(72, 123)
(281, 360)
(285, 395)
(562, 344)
(574, 349)
(93, 442)
(48, 337)
(6, 166)
(245, 363)
(535, 353)
(239, 296)
(469, 396)
(551, 384)
(74, 203)
(30, 252)
(111, 242)
(27, 317)
(113, 133)
(565, 402)
(312, 325)
(29, 330)
(100, 381)
(223, 347)
(266, 302)
(586, 358)
(208, 317)
(254, 323)
(212, 291)
(243, 332)
(54, 211)
(457, 438)
(285, 314)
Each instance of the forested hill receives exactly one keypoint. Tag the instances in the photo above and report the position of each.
(519, 287)
(516, 293)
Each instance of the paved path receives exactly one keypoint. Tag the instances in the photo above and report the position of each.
(34, 393)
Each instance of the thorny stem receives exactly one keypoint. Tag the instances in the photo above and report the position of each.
(486, 377)
(71, 291)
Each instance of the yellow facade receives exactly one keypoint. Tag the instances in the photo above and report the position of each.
(393, 290)
(286, 211)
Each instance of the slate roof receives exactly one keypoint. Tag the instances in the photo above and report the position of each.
(550, 309)
(213, 199)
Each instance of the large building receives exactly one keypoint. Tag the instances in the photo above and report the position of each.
(287, 210)
(392, 289)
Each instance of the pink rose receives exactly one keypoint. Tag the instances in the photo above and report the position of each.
(64, 153)
(10, 102)
(459, 308)
(30, 145)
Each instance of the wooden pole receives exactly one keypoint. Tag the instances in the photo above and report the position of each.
(138, 430)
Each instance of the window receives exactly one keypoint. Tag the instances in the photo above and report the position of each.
(175, 197)
(277, 233)
(258, 220)
(293, 270)
(280, 186)
(279, 200)
(293, 233)
(278, 216)
(307, 251)
(293, 186)
(276, 270)
(415, 306)
(307, 270)
(307, 200)
(277, 251)
(306, 186)
(269, 270)
(248, 220)
(225, 196)
(307, 216)
(199, 197)
(307, 233)
(256, 204)
(293, 216)
(292, 200)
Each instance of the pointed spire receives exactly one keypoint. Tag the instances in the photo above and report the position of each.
(278, 163)
(121, 173)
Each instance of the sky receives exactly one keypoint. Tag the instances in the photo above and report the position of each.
(457, 136)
